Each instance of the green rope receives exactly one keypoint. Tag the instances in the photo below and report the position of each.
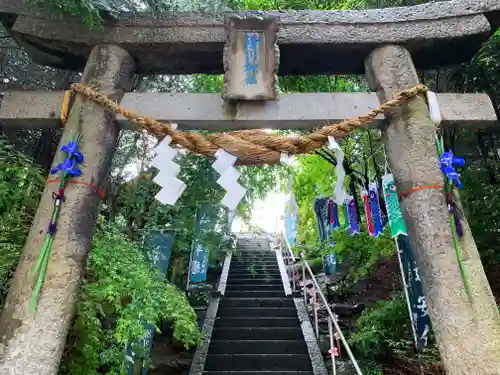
(42, 263)
(44, 255)
(448, 186)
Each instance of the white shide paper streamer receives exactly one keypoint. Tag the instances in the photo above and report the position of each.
(338, 192)
(171, 186)
(228, 179)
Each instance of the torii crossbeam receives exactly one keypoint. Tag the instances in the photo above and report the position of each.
(310, 42)
(211, 112)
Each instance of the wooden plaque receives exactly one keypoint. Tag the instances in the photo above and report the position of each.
(251, 59)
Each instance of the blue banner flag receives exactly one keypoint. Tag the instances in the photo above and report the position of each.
(206, 221)
(325, 220)
(291, 219)
(199, 263)
(160, 247)
(420, 313)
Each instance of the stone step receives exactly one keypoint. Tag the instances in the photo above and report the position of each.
(257, 347)
(255, 269)
(255, 293)
(256, 251)
(260, 287)
(257, 302)
(249, 262)
(256, 321)
(247, 265)
(255, 281)
(256, 257)
(257, 275)
(257, 362)
(266, 312)
(261, 258)
(257, 333)
(256, 262)
(274, 270)
(257, 373)
(254, 247)
(253, 274)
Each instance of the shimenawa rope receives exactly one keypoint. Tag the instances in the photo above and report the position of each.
(250, 146)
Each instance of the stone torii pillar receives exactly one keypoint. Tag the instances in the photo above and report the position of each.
(467, 332)
(34, 343)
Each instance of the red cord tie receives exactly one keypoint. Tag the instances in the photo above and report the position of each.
(93, 187)
(423, 187)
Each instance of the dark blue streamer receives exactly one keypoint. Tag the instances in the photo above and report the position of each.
(378, 226)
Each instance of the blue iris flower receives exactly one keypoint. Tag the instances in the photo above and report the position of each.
(72, 150)
(448, 160)
(68, 166)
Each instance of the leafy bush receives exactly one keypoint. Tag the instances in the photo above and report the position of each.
(21, 184)
(384, 340)
(120, 295)
(359, 253)
(362, 250)
(383, 330)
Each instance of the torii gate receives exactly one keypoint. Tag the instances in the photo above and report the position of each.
(387, 44)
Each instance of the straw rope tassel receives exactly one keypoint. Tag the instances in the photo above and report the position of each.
(65, 107)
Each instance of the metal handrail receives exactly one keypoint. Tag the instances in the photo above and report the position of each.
(332, 319)
(289, 258)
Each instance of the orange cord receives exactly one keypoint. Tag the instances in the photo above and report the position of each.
(404, 194)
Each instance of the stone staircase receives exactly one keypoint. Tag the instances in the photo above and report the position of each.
(256, 327)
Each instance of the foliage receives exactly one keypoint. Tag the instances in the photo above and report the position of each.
(207, 83)
(321, 4)
(480, 197)
(142, 213)
(92, 12)
(313, 176)
(384, 334)
(117, 271)
(487, 59)
(358, 255)
(383, 330)
(21, 183)
(362, 251)
(120, 294)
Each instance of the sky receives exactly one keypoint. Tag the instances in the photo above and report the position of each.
(265, 213)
